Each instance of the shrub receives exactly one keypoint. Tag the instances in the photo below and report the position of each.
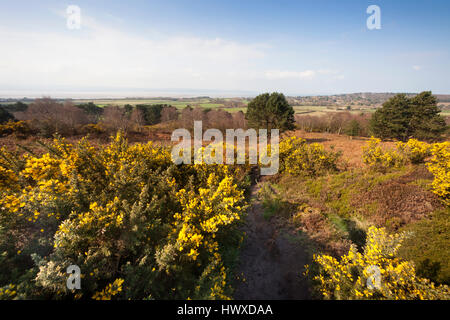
(414, 150)
(297, 157)
(20, 129)
(439, 166)
(5, 115)
(137, 225)
(376, 273)
(94, 129)
(428, 246)
(379, 159)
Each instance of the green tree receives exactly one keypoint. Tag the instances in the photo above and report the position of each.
(19, 106)
(91, 109)
(403, 118)
(152, 113)
(353, 128)
(426, 122)
(5, 116)
(270, 111)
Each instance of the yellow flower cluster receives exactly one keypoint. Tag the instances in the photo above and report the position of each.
(7, 178)
(436, 156)
(377, 158)
(45, 167)
(439, 166)
(203, 218)
(298, 157)
(110, 291)
(8, 292)
(376, 273)
(20, 129)
(414, 150)
(121, 210)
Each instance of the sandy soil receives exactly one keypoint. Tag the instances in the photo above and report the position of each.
(271, 266)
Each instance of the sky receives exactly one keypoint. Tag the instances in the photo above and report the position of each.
(222, 48)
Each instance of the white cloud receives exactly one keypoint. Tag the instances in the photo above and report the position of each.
(276, 74)
(307, 74)
(100, 56)
(417, 68)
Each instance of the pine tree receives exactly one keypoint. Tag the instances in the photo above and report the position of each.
(403, 118)
(270, 111)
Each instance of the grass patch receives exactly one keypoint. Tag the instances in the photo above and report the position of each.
(272, 201)
(428, 246)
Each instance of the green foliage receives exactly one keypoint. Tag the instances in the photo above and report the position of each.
(353, 129)
(91, 109)
(151, 112)
(272, 201)
(270, 111)
(425, 122)
(402, 118)
(427, 246)
(19, 106)
(5, 116)
(137, 225)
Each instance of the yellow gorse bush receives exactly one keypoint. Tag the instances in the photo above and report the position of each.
(110, 291)
(298, 157)
(376, 273)
(414, 150)
(376, 157)
(439, 166)
(20, 129)
(436, 157)
(122, 213)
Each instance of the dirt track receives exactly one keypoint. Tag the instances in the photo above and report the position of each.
(270, 263)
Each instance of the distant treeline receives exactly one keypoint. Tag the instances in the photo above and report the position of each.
(46, 116)
(336, 122)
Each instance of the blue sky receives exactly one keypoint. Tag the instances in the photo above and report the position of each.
(223, 47)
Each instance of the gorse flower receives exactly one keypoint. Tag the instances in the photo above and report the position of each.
(436, 157)
(439, 166)
(376, 273)
(135, 223)
(297, 157)
(379, 159)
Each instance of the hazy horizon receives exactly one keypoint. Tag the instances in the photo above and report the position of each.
(100, 95)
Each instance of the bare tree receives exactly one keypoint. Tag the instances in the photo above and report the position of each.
(239, 120)
(115, 118)
(187, 117)
(169, 114)
(137, 119)
(49, 116)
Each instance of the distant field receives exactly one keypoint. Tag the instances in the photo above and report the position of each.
(322, 110)
(204, 103)
(208, 103)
